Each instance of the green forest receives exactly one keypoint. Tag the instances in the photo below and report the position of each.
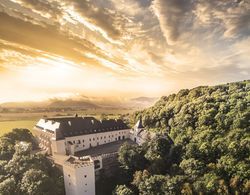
(202, 147)
(24, 172)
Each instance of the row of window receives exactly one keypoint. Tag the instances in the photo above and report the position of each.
(102, 137)
(84, 175)
(116, 139)
(94, 130)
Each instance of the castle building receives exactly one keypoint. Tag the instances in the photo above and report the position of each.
(72, 134)
(83, 146)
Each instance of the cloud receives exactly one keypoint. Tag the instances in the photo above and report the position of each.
(43, 6)
(240, 24)
(5, 45)
(232, 16)
(110, 21)
(48, 39)
(173, 16)
(179, 17)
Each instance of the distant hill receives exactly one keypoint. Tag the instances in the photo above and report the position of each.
(84, 102)
(72, 104)
(144, 99)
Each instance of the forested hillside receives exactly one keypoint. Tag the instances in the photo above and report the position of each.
(210, 153)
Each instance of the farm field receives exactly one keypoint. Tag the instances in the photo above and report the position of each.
(6, 126)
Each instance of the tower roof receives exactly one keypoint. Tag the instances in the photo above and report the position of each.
(139, 124)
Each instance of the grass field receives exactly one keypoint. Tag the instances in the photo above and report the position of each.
(7, 126)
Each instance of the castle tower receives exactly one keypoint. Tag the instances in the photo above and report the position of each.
(135, 132)
(79, 176)
(138, 126)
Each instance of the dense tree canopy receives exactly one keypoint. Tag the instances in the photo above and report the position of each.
(210, 149)
(123, 190)
(22, 172)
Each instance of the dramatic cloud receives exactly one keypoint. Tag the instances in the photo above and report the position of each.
(173, 16)
(47, 39)
(45, 7)
(108, 20)
(178, 17)
(121, 47)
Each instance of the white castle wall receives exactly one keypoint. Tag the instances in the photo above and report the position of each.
(79, 180)
(58, 146)
(84, 142)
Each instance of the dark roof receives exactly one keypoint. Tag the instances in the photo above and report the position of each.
(108, 148)
(74, 126)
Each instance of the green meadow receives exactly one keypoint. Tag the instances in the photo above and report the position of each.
(6, 126)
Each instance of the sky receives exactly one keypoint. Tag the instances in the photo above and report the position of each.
(120, 48)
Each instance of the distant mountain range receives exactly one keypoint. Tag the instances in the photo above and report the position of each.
(84, 102)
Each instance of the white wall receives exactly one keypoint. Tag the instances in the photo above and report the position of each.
(58, 146)
(44, 139)
(84, 142)
(79, 181)
(134, 137)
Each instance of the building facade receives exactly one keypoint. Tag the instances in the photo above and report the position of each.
(72, 134)
(87, 146)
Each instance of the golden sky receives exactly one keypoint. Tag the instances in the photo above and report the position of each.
(121, 48)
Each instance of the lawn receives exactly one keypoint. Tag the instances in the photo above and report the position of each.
(6, 126)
